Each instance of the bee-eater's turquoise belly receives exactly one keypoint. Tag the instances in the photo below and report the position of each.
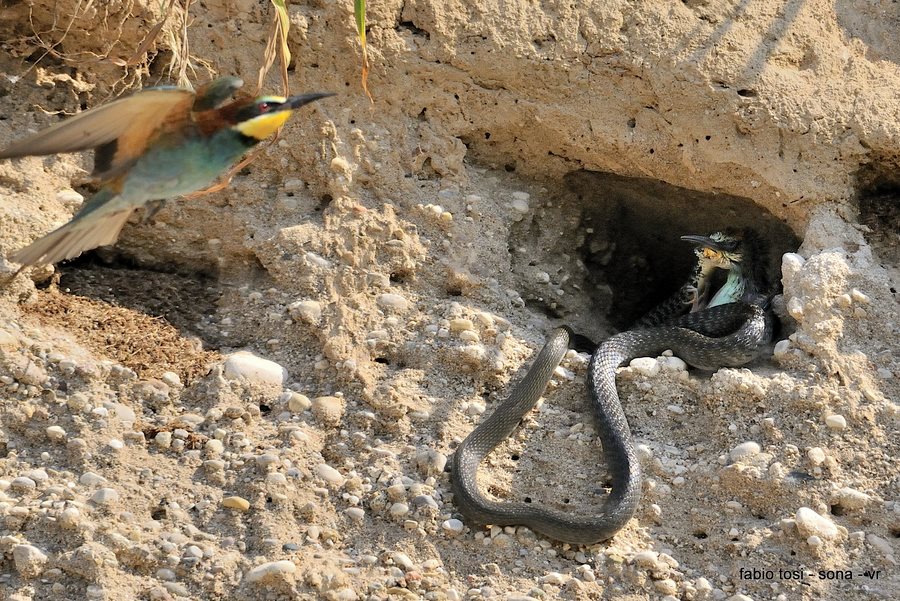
(169, 170)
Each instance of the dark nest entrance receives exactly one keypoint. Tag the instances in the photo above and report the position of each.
(612, 244)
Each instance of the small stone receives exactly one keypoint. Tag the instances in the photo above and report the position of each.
(270, 570)
(555, 578)
(745, 449)
(29, 560)
(55, 433)
(859, 297)
(91, 479)
(646, 366)
(739, 597)
(69, 518)
(298, 402)
(431, 461)
(795, 308)
(163, 439)
(883, 546)
(235, 502)
(647, 559)
(171, 379)
(70, 198)
(355, 513)
(214, 446)
(850, 498)
(402, 560)
(453, 526)
(392, 302)
(330, 475)
(23, 483)
(399, 509)
(781, 348)
(266, 459)
(421, 501)
(672, 364)
(461, 325)
(520, 205)
(328, 409)
(105, 496)
(836, 422)
(810, 523)
(666, 586)
(247, 367)
(309, 311)
(475, 408)
(816, 455)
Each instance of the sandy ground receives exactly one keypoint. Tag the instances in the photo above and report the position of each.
(397, 265)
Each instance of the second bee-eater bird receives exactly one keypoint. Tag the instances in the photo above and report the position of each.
(154, 145)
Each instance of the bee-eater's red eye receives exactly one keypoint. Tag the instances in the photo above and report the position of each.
(263, 107)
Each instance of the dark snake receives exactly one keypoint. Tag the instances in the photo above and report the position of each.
(726, 335)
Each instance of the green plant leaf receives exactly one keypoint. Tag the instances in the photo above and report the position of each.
(359, 11)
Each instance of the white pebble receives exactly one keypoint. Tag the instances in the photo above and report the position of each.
(91, 479)
(554, 578)
(163, 439)
(646, 366)
(69, 518)
(672, 364)
(170, 378)
(816, 455)
(70, 198)
(745, 449)
(309, 311)
(795, 308)
(791, 263)
(245, 366)
(810, 523)
(781, 348)
(298, 402)
(214, 446)
(355, 513)
(850, 498)
(23, 483)
(270, 569)
(402, 560)
(520, 205)
(55, 433)
(647, 559)
(105, 496)
(453, 526)
(399, 509)
(836, 422)
(393, 302)
(29, 560)
(859, 297)
(330, 475)
(475, 408)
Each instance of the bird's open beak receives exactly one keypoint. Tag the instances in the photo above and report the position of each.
(295, 102)
(704, 242)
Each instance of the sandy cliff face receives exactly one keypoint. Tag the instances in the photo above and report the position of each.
(523, 165)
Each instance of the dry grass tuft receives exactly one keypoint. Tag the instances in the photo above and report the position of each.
(148, 345)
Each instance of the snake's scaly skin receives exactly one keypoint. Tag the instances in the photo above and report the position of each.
(727, 335)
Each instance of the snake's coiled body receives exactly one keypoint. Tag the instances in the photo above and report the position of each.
(725, 335)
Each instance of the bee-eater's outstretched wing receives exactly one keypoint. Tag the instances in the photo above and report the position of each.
(128, 120)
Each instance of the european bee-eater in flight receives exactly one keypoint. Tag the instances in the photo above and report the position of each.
(154, 145)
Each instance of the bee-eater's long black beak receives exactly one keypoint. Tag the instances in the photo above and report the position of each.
(705, 242)
(295, 102)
